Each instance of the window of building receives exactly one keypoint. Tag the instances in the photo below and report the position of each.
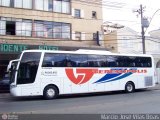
(57, 6)
(27, 4)
(65, 7)
(66, 31)
(12, 3)
(52, 30)
(23, 27)
(10, 27)
(39, 28)
(39, 4)
(19, 27)
(2, 27)
(61, 6)
(78, 35)
(48, 5)
(57, 32)
(5, 3)
(94, 14)
(18, 3)
(48, 29)
(77, 13)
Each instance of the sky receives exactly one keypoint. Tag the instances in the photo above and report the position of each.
(122, 13)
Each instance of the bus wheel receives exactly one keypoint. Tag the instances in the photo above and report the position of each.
(129, 87)
(50, 92)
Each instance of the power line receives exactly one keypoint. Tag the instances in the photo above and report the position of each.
(109, 5)
(100, 3)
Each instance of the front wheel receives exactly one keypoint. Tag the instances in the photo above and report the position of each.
(129, 87)
(50, 92)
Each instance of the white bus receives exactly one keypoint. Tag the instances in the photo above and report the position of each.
(52, 73)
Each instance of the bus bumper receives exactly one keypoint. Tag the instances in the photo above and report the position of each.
(15, 91)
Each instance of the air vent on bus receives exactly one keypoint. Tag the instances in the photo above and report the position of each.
(148, 81)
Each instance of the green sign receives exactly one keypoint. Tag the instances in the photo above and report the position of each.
(45, 47)
(17, 48)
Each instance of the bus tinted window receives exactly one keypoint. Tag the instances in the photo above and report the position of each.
(125, 61)
(143, 62)
(111, 61)
(96, 61)
(54, 60)
(64, 60)
(79, 60)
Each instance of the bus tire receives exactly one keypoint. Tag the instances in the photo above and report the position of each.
(50, 92)
(129, 87)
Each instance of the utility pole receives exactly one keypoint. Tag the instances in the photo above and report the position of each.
(143, 25)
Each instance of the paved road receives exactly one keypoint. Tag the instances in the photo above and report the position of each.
(147, 101)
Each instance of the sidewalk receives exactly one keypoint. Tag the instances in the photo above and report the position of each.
(157, 87)
(4, 95)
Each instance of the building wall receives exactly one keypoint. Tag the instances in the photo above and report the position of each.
(153, 47)
(12, 45)
(110, 41)
(86, 25)
(123, 40)
(128, 41)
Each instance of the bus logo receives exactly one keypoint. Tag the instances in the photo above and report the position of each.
(80, 76)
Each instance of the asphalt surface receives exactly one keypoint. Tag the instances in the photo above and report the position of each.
(145, 101)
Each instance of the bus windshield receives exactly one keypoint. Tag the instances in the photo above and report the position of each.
(28, 67)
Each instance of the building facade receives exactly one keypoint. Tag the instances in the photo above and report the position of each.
(126, 40)
(46, 24)
(153, 40)
(121, 39)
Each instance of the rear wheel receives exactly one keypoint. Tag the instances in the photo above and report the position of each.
(129, 87)
(50, 92)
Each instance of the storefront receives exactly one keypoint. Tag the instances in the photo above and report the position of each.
(11, 51)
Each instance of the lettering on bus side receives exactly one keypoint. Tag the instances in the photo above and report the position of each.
(49, 73)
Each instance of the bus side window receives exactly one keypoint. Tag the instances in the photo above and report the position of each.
(69, 64)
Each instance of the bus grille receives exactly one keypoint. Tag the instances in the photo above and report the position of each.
(148, 81)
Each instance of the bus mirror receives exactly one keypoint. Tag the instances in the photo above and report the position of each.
(9, 68)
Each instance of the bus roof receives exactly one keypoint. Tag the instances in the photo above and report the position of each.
(85, 51)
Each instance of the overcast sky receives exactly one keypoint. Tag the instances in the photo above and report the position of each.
(122, 13)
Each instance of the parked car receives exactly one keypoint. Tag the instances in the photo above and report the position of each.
(4, 84)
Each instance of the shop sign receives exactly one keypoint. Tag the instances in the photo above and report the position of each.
(17, 48)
